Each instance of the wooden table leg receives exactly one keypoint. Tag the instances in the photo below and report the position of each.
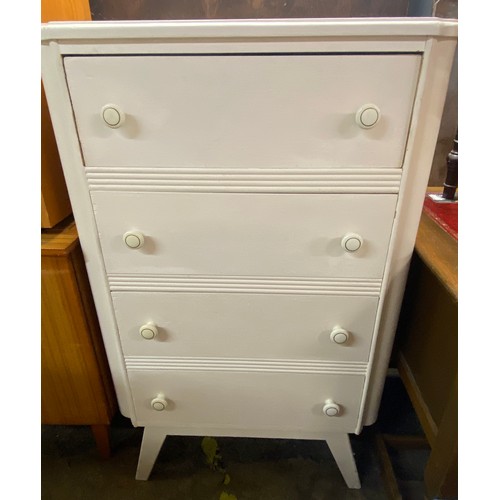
(441, 472)
(101, 436)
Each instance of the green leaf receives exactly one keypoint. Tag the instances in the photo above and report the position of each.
(227, 496)
(209, 446)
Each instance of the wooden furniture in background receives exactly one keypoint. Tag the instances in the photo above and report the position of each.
(76, 384)
(55, 199)
(427, 351)
(55, 204)
(65, 10)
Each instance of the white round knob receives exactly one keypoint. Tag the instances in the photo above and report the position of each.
(368, 116)
(339, 335)
(148, 331)
(331, 409)
(112, 115)
(159, 403)
(133, 239)
(352, 242)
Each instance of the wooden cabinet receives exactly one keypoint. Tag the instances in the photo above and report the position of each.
(55, 203)
(55, 200)
(427, 351)
(76, 384)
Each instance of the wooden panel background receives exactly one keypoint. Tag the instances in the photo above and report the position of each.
(55, 200)
(55, 204)
(244, 9)
(65, 10)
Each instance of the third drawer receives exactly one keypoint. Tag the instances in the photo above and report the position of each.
(246, 325)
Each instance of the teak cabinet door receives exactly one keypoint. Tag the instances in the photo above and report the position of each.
(76, 387)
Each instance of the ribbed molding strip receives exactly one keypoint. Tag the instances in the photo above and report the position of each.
(242, 284)
(245, 365)
(354, 180)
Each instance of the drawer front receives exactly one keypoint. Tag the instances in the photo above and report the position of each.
(239, 400)
(245, 235)
(243, 111)
(243, 325)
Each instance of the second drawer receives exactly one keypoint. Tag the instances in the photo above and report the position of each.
(246, 325)
(238, 235)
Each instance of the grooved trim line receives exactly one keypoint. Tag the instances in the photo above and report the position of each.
(245, 365)
(238, 284)
(353, 180)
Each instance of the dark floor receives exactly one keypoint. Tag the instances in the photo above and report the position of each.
(255, 469)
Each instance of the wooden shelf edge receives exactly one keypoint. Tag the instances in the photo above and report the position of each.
(439, 251)
(60, 240)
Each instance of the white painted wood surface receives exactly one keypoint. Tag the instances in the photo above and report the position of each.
(288, 29)
(248, 180)
(152, 441)
(245, 235)
(251, 235)
(243, 111)
(246, 325)
(340, 446)
(238, 400)
(436, 67)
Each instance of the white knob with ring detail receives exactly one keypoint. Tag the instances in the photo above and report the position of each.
(331, 409)
(159, 403)
(133, 239)
(148, 331)
(112, 115)
(352, 242)
(339, 335)
(368, 116)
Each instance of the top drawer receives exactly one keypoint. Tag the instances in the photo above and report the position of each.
(243, 111)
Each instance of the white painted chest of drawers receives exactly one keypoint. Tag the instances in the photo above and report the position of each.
(247, 195)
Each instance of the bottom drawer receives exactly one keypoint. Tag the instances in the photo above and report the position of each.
(243, 401)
